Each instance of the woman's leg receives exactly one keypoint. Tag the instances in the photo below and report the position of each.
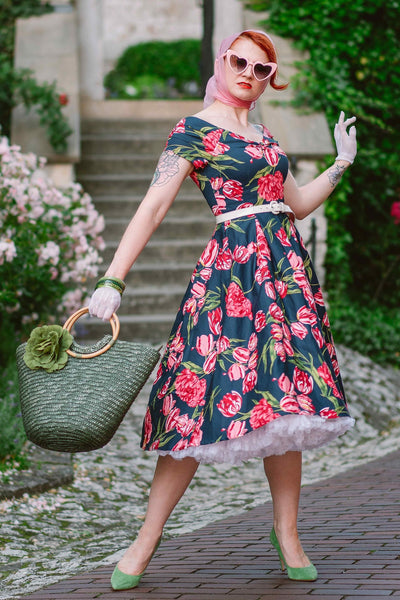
(284, 478)
(171, 479)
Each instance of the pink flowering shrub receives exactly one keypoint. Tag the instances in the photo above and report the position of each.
(49, 242)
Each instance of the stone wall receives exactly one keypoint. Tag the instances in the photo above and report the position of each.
(128, 22)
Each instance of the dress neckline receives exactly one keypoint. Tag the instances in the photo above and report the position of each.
(233, 133)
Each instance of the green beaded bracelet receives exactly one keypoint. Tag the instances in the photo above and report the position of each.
(112, 282)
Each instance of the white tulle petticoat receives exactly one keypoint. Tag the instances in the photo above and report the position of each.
(292, 432)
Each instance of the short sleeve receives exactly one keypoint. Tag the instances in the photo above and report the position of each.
(185, 141)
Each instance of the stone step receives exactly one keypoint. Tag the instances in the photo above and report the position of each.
(124, 164)
(159, 250)
(152, 299)
(152, 329)
(117, 183)
(126, 126)
(174, 228)
(126, 205)
(166, 273)
(122, 144)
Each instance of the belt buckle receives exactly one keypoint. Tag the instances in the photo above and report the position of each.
(275, 207)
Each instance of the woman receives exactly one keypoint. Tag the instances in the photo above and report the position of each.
(250, 369)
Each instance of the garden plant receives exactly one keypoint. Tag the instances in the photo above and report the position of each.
(50, 240)
(352, 63)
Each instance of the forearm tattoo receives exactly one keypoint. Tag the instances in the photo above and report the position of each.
(167, 167)
(335, 173)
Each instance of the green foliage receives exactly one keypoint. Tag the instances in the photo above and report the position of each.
(374, 332)
(353, 64)
(12, 436)
(157, 70)
(18, 86)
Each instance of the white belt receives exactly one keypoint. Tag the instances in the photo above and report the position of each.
(274, 207)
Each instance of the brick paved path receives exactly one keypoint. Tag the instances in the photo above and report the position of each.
(350, 527)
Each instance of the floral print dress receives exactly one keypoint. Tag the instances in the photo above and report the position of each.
(250, 368)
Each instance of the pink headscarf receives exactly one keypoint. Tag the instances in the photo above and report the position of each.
(216, 87)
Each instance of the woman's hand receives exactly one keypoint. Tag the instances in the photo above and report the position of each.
(104, 302)
(346, 143)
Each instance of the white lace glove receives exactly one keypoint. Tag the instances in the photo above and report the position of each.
(346, 143)
(104, 302)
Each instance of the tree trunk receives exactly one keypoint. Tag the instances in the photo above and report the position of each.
(207, 55)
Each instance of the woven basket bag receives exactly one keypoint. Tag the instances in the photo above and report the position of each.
(80, 407)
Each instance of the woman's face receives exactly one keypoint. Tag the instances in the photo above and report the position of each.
(245, 86)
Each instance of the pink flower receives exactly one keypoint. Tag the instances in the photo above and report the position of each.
(318, 337)
(306, 316)
(303, 381)
(190, 388)
(190, 306)
(289, 404)
(236, 371)
(328, 413)
(241, 254)
(255, 151)
(230, 404)
(198, 289)
(276, 332)
(276, 312)
(233, 190)
(281, 288)
(237, 305)
(236, 429)
(395, 212)
(282, 237)
(241, 354)
(197, 434)
(252, 345)
(326, 375)
(224, 260)
(261, 414)
(168, 404)
(209, 363)
(214, 320)
(181, 445)
(299, 330)
(271, 156)
(270, 290)
(285, 384)
(296, 262)
(250, 381)
(222, 344)
(204, 344)
(305, 403)
(253, 360)
(260, 321)
(209, 253)
(172, 419)
(216, 183)
(212, 144)
(270, 187)
(148, 427)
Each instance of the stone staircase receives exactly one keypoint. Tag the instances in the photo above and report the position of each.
(118, 162)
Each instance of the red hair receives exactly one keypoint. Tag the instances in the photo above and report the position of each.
(267, 46)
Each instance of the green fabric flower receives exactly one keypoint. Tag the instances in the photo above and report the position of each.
(47, 348)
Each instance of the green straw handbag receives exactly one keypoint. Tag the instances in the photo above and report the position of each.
(73, 398)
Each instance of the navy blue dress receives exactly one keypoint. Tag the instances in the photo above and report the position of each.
(250, 368)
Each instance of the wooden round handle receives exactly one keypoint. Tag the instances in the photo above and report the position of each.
(114, 321)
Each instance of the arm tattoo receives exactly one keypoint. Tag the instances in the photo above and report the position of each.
(167, 167)
(334, 174)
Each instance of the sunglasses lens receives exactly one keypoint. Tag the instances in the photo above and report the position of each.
(237, 63)
(262, 71)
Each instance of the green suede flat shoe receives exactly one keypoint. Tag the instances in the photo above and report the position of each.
(309, 573)
(123, 581)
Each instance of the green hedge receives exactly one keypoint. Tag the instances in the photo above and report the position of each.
(157, 69)
(354, 65)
